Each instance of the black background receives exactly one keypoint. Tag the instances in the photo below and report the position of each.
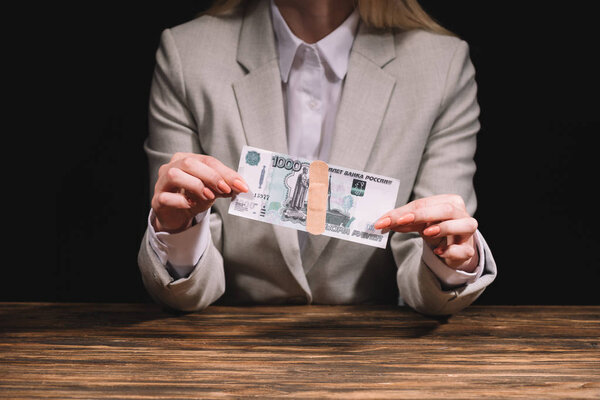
(537, 158)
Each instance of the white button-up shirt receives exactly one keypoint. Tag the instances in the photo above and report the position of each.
(312, 78)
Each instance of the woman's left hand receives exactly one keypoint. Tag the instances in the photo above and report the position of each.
(443, 223)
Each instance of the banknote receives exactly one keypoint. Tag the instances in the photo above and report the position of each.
(279, 191)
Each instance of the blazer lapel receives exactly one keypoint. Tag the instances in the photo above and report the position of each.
(365, 98)
(260, 102)
(258, 93)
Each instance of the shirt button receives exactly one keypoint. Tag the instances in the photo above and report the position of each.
(313, 104)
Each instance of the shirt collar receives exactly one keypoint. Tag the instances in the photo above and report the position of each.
(334, 48)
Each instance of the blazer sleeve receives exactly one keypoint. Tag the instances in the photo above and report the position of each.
(172, 129)
(447, 167)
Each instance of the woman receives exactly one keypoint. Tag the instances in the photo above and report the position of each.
(377, 87)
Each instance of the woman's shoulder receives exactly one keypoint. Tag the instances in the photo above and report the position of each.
(206, 30)
(419, 52)
(204, 40)
(423, 43)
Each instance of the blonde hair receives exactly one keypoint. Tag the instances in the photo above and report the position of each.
(381, 14)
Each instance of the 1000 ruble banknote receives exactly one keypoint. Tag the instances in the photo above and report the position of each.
(279, 192)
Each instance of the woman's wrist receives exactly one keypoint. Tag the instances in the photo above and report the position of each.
(158, 227)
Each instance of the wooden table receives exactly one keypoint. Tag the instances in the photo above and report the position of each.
(122, 351)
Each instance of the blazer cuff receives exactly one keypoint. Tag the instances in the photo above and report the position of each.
(180, 252)
(452, 278)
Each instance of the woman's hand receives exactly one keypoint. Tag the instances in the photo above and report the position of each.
(188, 185)
(443, 223)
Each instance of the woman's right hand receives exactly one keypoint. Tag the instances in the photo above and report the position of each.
(188, 185)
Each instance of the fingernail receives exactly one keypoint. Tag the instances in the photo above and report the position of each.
(438, 251)
(405, 219)
(382, 223)
(241, 186)
(208, 193)
(432, 230)
(223, 187)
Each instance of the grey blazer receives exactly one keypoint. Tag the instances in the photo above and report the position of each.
(408, 110)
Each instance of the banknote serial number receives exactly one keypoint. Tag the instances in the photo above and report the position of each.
(262, 196)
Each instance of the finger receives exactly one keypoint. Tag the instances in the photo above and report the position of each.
(171, 200)
(185, 183)
(424, 215)
(409, 228)
(391, 216)
(460, 227)
(455, 254)
(438, 212)
(210, 177)
(181, 155)
(392, 221)
(231, 177)
(400, 215)
(383, 223)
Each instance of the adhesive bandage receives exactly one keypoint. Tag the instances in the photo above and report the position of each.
(318, 185)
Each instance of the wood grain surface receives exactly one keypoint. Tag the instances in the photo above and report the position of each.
(139, 351)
